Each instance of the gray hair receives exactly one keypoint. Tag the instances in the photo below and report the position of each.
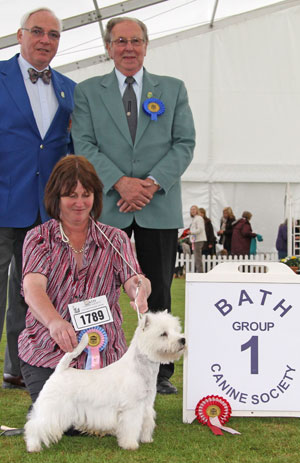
(112, 22)
(26, 16)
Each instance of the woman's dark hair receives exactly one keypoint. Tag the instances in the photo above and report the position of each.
(63, 181)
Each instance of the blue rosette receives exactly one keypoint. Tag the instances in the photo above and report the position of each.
(153, 107)
(97, 343)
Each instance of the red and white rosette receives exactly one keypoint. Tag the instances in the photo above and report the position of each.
(214, 411)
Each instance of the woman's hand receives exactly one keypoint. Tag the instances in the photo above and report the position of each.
(43, 310)
(63, 334)
(144, 290)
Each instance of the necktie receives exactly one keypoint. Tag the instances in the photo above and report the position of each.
(130, 105)
(35, 75)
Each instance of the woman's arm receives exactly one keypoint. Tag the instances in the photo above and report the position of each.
(144, 292)
(60, 330)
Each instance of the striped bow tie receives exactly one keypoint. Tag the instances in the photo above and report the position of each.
(35, 75)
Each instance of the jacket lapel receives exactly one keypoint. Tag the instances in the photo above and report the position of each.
(61, 96)
(13, 80)
(150, 86)
(110, 94)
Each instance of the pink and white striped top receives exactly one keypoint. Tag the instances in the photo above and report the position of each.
(103, 272)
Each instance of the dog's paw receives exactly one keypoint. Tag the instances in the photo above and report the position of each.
(146, 440)
(126, 445)
(33, 448)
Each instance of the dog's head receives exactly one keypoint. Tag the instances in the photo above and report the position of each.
(159, 337)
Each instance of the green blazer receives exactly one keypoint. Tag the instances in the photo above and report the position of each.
(162, 148)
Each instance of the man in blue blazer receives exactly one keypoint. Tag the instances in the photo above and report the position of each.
(34, 135)
(139, 160)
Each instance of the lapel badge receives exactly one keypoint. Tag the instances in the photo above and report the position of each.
(153, 107)
(62, 94)
(149, 95)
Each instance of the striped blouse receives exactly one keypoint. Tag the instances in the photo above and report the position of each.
(103, 272)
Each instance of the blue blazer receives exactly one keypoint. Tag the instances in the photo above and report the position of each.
(26, 159)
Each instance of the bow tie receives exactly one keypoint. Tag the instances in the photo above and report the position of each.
(35, 75)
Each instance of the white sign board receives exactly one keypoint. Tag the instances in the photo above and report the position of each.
(243, 340)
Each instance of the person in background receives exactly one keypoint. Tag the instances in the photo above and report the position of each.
(184, 242)
(225, 231)
(209, 248)
(36, 103)
(198, 237)
(242, 235)
(137, 130)
(73, 258)
(281, 240)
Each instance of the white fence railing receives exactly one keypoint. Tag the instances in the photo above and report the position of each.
(187, 261)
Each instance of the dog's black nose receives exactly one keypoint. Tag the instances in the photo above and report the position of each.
(182, 340)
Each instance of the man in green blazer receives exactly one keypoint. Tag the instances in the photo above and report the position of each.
(141, 171)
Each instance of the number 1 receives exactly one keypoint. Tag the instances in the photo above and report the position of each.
(253, 344)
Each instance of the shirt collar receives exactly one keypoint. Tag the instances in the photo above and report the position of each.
(138, 77)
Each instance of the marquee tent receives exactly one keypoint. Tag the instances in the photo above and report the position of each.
(243, 80)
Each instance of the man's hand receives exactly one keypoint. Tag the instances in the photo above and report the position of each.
(135, 193)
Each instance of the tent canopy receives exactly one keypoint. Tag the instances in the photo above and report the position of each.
(243, 80)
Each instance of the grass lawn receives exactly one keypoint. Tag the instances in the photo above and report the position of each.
(262, 439)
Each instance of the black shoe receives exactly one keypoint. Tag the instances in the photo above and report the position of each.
(13, 382)
(164, 386)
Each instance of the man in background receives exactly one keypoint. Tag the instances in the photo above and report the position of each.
(137, 129)
(35, 107)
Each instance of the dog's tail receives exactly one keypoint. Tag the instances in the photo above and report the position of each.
(64, 363)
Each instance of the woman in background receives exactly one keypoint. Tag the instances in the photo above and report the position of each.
(209, 248)
(242, 235)
(225, 231)
(198, 237)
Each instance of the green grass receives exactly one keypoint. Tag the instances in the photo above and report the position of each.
(262, 440)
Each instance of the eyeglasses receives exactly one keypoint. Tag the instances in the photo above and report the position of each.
(122, 43)
(38, 33)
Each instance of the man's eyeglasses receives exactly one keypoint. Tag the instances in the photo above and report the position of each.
(39, 33)
(122, 43)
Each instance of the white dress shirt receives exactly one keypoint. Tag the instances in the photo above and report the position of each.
(42, 98)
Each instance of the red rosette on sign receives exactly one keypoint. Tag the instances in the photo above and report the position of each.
(214, 411)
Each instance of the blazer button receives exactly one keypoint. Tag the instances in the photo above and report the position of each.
(37, 173)
(41, 146)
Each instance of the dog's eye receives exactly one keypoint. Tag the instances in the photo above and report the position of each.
(164, 333)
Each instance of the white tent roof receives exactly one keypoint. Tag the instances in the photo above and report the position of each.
(162, 17)
(243, 80)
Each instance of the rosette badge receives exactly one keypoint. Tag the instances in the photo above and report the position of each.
(153, 107)
(214, 411)
(97, 343)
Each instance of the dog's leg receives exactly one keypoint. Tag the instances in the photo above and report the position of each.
(32, 436)
(148, 425)
(44, 426)
(129, 428)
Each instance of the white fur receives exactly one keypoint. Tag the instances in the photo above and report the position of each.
(118, 399)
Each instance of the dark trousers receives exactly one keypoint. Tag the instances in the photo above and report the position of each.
(11, 243)
(156, 253)
(34, 378)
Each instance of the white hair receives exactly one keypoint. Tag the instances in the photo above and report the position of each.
(26, 16)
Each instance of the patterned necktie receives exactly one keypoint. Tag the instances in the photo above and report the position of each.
(35, 75)
(130, 105)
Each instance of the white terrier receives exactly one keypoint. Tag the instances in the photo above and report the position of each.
(117, 399)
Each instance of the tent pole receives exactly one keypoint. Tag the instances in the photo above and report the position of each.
(290, 225)
(100, 24)
(211, 24)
